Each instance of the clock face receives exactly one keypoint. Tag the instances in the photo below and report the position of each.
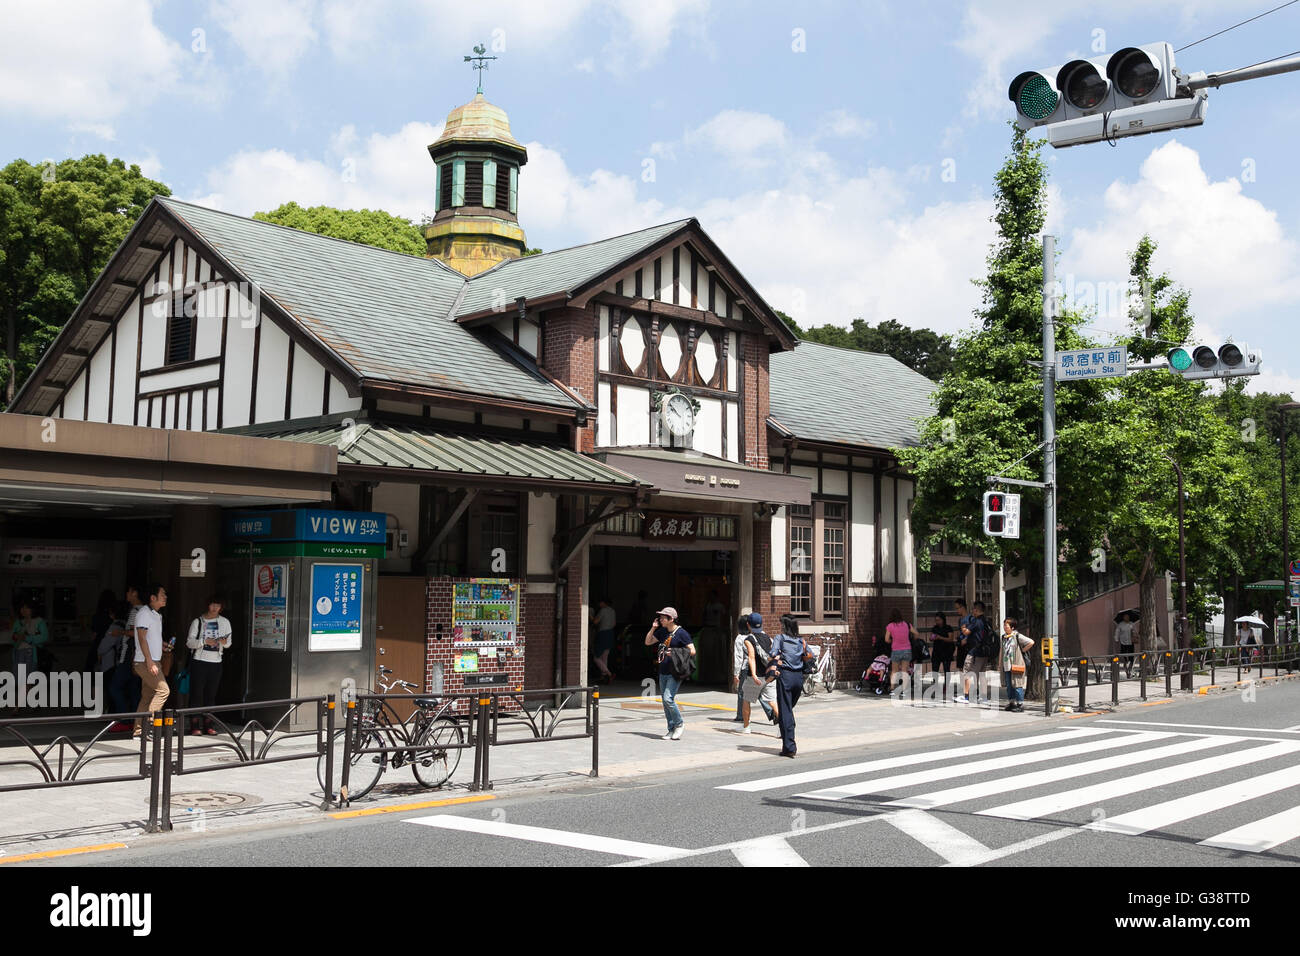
(678, 415)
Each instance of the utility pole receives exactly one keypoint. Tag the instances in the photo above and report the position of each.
(1050, 677)
(1286, 540)
(1184, 638)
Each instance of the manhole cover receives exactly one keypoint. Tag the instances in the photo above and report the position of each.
(214, 799)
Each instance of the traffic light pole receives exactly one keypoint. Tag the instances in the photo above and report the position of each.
(1051, 677)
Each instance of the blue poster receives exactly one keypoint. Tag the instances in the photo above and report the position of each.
(335, 607)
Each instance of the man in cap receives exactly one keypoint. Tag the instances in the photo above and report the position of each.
(670, 637)
(754, 684)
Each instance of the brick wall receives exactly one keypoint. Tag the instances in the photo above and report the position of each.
(754, 372)
(569, 353)
(574, 611)
(539, 666)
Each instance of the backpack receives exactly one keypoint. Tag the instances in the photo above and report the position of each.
(681, 662)
(762, 655)
(988, 641)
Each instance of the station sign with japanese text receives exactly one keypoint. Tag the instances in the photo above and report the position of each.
(1092, 363)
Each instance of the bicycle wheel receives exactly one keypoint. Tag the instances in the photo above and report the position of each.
(437, 752)
(366, 768)
(830, 675)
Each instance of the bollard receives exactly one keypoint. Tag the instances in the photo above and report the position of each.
(1169, 677)
(348, 725)
(154, 776)
(329, 753)
(1114, 680)
(485, 703)
(1142, 675)
(595, 733)
(166, 729)
(1083, 684)
(1214, 656)
(477, 739)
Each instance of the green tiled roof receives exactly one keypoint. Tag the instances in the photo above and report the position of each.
(843, 396)
(560, 271)
(406, 446)
(385, 314)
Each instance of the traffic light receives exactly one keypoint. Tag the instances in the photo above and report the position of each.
(995, 519)
(1130, 92)
(1204, 361)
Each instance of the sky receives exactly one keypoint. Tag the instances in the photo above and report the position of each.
(841, 154)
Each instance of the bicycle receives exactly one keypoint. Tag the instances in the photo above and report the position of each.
(429, 738)
(823, 671)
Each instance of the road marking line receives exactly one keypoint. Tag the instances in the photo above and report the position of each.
(1260, 835)
(885, 784)
(1156, 703)
(1057, 802)
(1161, 815)
(1091, 713)
(578, 841)
(724, 847)
(1158, 723)
(770, 851)
(54, 854)
(908, 760)
(404, 807)
(956, 848)
(987, 788)
(1020, 847)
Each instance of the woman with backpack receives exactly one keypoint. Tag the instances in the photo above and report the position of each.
(786, 666)
(209, 637)
(899, 635)
(1014, 645)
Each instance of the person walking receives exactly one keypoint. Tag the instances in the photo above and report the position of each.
(788, 650)
(605, 621)
(755, 684)
(208, 639)
(148, 654)
(898, 635)
(674, 644)
(943, 647)
(738, 655)
(1124, 641)
(963, 621)
(981, 648)
(1014, 645)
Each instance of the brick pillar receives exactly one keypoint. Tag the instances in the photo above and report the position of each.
(762, 551)
(575, 610)
(755, 378)
(539, 666)
(569, 353)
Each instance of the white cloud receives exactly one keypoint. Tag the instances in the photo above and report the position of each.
(389, 172)
(101, 130)
(594, 206)
(273, 36)
(740, 135)
(846, 124)
(644, 29)
(84, 60)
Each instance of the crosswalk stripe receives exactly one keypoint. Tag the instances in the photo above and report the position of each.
(1055, 803)
(942, 838)
(985, 788)
(908, 760)
(917, 778)
(1260, 835)
(579, 841)
(1206, 801)
(773, 851)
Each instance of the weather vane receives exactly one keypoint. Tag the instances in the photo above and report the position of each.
(480, 63)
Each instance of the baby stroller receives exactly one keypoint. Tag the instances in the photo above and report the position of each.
(876, 677)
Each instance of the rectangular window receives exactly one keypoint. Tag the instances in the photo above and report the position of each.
(489, 183)
(504, 173)
(437, 188)
(180, 328)
(514, 189)
(473, 183)
(458, 183)
(444, 188)
(985, 577)
(818, 559)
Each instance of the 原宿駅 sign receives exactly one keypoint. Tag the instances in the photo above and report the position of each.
(1092, 363)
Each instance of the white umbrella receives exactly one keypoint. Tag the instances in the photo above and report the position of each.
(1248, 619)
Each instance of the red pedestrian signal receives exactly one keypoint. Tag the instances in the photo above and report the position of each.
(995, 520)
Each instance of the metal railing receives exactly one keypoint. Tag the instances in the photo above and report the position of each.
(541, 723)
(1105, 669)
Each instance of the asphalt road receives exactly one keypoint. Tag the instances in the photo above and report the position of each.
(1208, 782)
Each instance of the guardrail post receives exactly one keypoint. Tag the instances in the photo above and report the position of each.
(1238, 664)
(163, 725)
(486, 704)
(1142, 675)
(329, 751)
(594, 698)
(1114, 680)
(476, 738)
(348, 725)
(1169, 678)
(155, 777)
(1083, 684)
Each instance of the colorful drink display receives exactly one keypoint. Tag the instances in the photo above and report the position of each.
(484, 611)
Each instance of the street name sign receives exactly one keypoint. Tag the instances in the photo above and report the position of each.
(1091, 363)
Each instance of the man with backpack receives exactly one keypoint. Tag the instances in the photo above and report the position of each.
(788, 660)
(982, 649)
(676, 650)
(754, 683)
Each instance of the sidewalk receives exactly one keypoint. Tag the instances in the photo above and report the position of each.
(47, 821)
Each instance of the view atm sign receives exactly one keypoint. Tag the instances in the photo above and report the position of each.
(353, 526)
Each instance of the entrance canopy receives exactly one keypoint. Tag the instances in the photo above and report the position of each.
(56, 465)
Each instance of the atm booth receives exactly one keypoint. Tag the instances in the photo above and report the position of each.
(304, 583)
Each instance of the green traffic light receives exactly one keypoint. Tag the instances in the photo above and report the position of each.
(1037, 99)
(1180, 360)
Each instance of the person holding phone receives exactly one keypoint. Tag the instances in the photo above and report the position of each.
(669, 635)
(209, 637)
(148, 654)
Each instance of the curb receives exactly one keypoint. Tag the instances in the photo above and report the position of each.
(1236, 685)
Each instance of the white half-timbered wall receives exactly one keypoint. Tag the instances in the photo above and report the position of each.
(128, 382)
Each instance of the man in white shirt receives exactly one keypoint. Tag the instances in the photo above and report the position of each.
(1124, 641)
(148, 653)
(739, 663)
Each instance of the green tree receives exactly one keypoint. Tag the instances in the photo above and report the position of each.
(373, 227)
(59, 223)
(794, 326)
(922, 350)
(1153, 420)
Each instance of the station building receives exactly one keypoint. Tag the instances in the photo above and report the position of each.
(448, 460)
